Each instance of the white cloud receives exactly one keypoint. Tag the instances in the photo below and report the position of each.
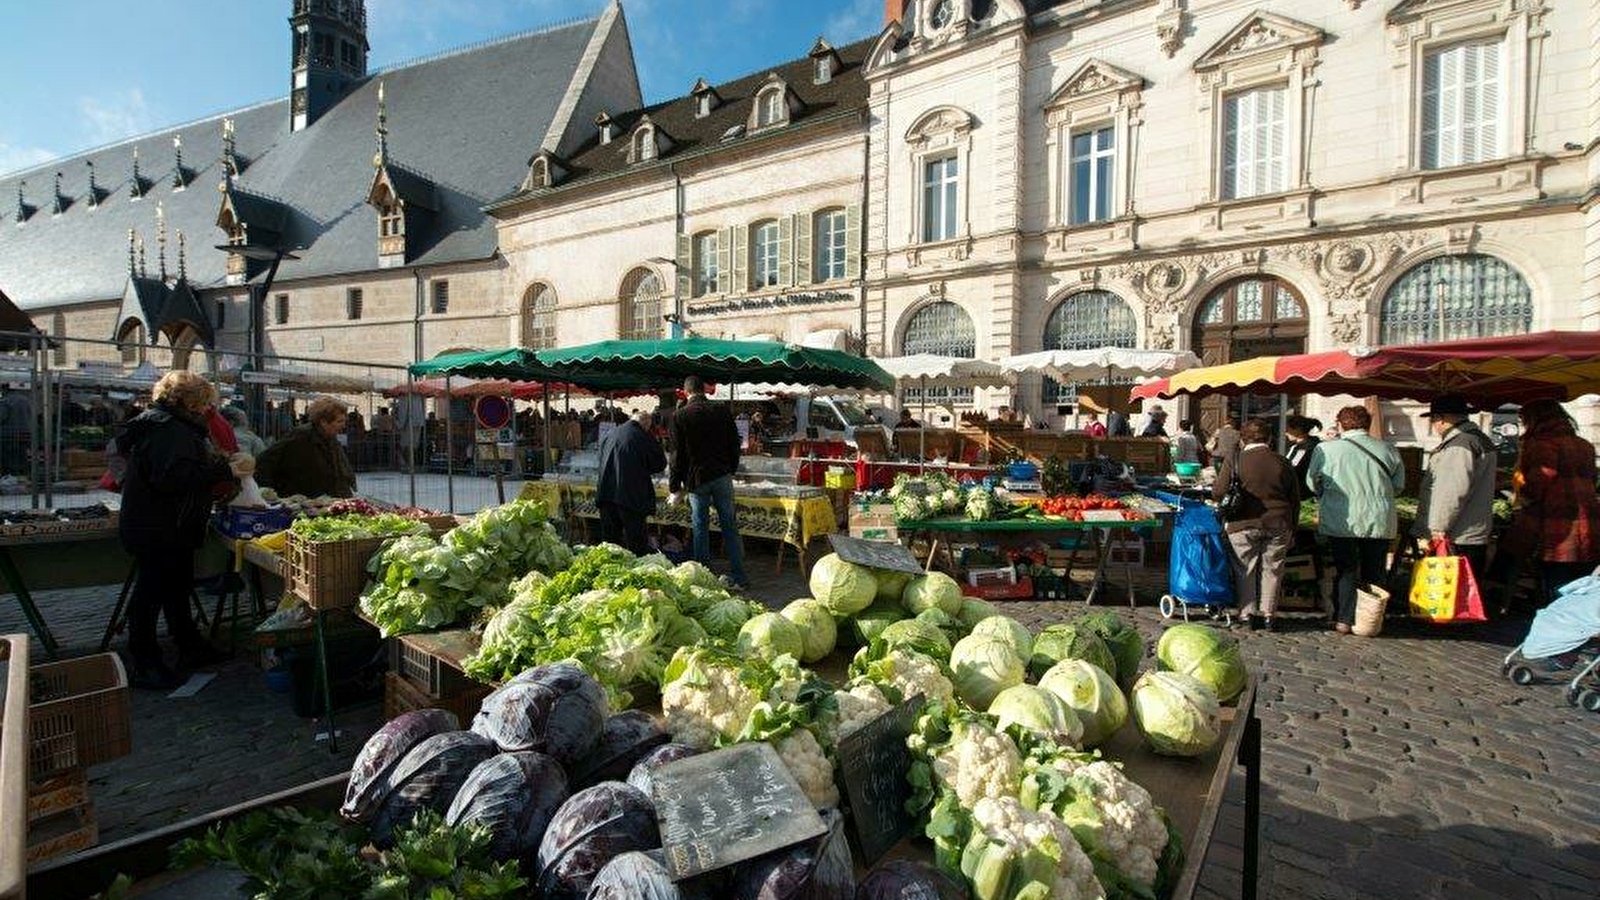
(14, 158)
(858, 19)
(115, 116)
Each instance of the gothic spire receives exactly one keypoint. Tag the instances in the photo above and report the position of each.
(140, 241)
(179, 177)
(183, 263)
(161, 242)
(230, 162)
(22, 203)
(137, 191)
(382, 157)
(132, 268)
(58, 202)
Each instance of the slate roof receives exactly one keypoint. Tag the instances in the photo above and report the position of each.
(13, 319)
(466, 122)
(846, 91)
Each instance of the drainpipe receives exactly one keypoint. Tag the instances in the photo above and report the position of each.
(866, 187)
(677, 329)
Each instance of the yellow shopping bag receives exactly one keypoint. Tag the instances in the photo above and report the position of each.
(1443, 587)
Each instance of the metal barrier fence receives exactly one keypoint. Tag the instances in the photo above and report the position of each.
(408, 442)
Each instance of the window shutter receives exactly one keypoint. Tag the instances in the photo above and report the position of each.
(1277, 155)
(1231, 132)
(1481, 103)
(804, 252)
(785, 251)
(1430, 111)
(725, 280)
(852, 242)
(1450, 112)
(685, 266)
(741, 258)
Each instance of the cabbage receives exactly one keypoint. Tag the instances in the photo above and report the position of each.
(1122, 639)
(819, 869)
(1009, 630)
(974, 610)
(555, 709)
(513, 795)
(1038, 713)
(1092, 694)
(593, 827)
(642, 775)
(1059, 642)
(870, 622)
(428, 777)
(1177, 714)
(904, 879)
(695, 574)
(954, 629)
(935, 590)
(844, 587)
(981, 667)
(891, 585)
(625, 739)
(818, 633)
(724, 618)
(370, 779)
(1207, 654)
(915, 634)
(770, 636)
(644, 876)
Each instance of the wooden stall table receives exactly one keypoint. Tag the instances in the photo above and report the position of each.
(51, 555)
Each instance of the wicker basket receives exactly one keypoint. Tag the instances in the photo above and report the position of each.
(79, 714)
(1371, 601)
(329, 574)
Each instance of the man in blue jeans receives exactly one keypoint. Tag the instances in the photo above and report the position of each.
(705, 455)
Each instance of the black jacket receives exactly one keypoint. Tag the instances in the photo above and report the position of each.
(629, 455)
(705, 444)
(166, 492)
(306, 462)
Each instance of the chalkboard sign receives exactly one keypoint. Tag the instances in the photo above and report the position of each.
(876, 554)
(873, 761)
(727, 806)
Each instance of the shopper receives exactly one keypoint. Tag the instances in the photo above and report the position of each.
(1262, 528)
(1155, 423)
(1457, 497)
(705, 455)
(629, 458)
(1117, 424)
(906, 421)
(249, 441)
(1093, 427)
(310, 460)
(1357, 477)
(166, 499)
(1224, 445)
(1302, 434)
(1558, 514)
(1185, 446)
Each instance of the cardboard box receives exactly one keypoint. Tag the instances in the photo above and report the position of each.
(874, 522)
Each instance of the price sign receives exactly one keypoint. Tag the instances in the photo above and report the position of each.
(873, 761)
(727, 806)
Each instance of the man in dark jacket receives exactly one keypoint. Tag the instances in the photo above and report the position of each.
(629, 456)
(166, 500)
(705, 455)
(309, 459)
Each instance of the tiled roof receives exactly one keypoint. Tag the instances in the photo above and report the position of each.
(465, 122)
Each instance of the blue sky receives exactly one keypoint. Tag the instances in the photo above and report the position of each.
(80, 73)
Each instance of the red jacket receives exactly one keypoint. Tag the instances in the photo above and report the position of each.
(1558, 505)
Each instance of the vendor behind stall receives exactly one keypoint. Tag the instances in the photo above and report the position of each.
(309, 460)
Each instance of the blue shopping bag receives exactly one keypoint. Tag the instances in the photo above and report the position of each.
(1200, 571)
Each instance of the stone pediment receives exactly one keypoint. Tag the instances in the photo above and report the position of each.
(1095, 77)
(941, 121)
(1260, 32)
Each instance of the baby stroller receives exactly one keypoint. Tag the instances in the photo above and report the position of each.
(1199, 573)
(1563, 639)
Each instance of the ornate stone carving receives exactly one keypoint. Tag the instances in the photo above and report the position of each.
(1461, 236)
(1163, 337)
(1348, 328)
(1089, 82)
(1259, 34)
(1169, 26)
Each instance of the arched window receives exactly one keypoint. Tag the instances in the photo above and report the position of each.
(1085, 321)
(644, 145)
(942, 328)
(769, 107)
(1251, 301)
(58, 330)
(1467, 295)
(539, 317)
(640, 305)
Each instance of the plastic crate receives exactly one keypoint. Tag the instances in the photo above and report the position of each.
(1022, 590)
(424, 671)
(79, 714)
(245, 522)
(401, 696)
(1051, 587)
(329, 574)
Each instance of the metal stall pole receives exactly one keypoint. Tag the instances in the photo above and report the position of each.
(546, 460)
(449, 445)
(47, 427)
(402, 432)
(35, 437)
(1283, 422)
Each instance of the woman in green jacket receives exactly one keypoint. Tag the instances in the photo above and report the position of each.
(1356, 478)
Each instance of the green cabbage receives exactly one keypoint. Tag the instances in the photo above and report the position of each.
(1092, 694)
(890, 585)
(1206, 653)
(694, 574)
(935, 590)
(1059, 642)
(982, 666)
(1177, 714)
(870, 622)
(818, 633)
(770, 636)
(1009, 630)
(974, 610)
(724, 618)
(1123, 640)
(915, 634)
(1035, 713)
(844, 587)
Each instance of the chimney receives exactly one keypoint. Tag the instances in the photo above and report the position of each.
(894, 11)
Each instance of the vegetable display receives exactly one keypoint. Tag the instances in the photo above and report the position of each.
(982, 666)
(1123, 640)
(935, 590)
(1069, 641)
(769, 636)
(1177, 714)
(593, 827)
(844, 587)
(1209, 655)
(1092, 695)
(512, 796)
(350, 526)
(818, 632)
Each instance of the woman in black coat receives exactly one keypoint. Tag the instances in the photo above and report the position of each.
(167, 492)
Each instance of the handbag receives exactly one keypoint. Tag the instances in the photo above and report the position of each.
(1232, 502)
(1444, 587)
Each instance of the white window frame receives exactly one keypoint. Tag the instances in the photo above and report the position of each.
(1418, 29)
(644, 145)
(765, 254)
(940, 132)
(947, 187)
(770, 111)
(1449, 145)
(1092, 184)
(704, 262)
(1247, 125)
(830, 235)
(1096, 95)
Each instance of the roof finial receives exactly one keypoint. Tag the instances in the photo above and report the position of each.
(94, 189)
(57, 206)
(137, 190)
(161, 241)
(22, 203)
(230, 165)
(183, 263)
(178, 181)
(132, 268)
(382, 157)
(140, 240)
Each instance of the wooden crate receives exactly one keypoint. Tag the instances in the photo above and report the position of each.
(401, 696)
(61, 818)
(429, 674)
(329, 574)
(79, 714)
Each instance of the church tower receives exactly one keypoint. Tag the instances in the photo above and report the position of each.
(329, 55)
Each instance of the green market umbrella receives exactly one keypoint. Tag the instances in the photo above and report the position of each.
(666, 361)
(522, 364)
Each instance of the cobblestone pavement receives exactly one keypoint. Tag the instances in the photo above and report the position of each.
(1399, 767)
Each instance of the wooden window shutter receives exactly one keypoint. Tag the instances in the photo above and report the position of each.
(1277, 168)
(802, 249)
(725, 280)
(685, 270)
(741, 258)
(785, 251)
(1430, 110)
(852, 241)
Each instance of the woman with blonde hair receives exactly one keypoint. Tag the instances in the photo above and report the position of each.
(166, 500)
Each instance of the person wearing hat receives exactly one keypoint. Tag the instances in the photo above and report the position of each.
(1457, 497)
(1156, 423)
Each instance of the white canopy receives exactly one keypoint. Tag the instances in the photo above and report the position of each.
(1104, 363)
(944, 371)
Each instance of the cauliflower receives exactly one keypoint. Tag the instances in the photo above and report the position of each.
(951, 500)
(857, 706)
(1115, 817)
(977, 763)
(1018, 852)
(809, 766)
(911, 673)
(705, 701)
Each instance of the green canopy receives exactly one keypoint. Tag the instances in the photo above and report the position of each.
(522, 364)
(666, 361)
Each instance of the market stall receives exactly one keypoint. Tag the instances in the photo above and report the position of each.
(53, 549)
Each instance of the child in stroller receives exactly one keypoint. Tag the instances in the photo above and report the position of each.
(1564, 639)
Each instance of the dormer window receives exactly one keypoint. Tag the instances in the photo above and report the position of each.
(770, 109)
(826, 62)
(702, 106)
(705, 98)
(644, 148)
(539, 174)
(606, 126)
(824, 70)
